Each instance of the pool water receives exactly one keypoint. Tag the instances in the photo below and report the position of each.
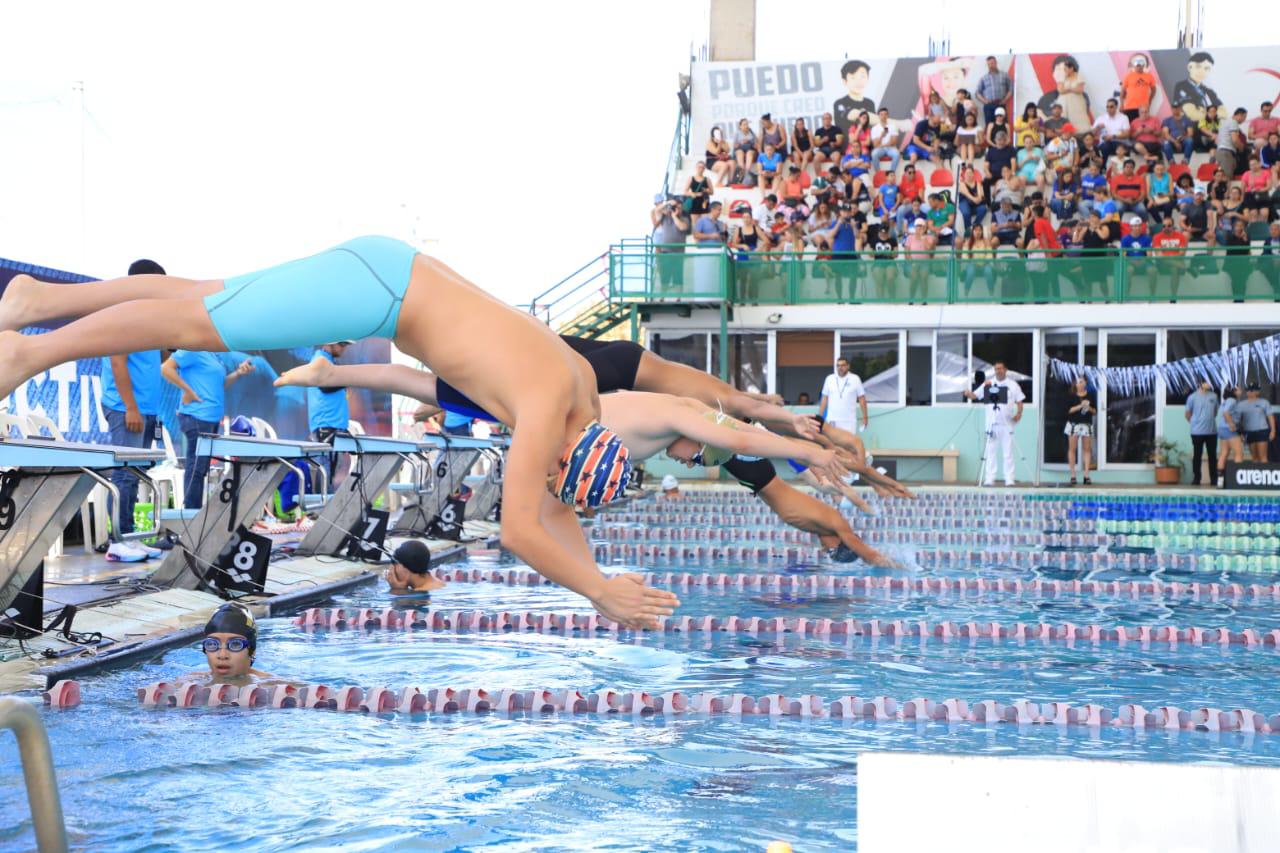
(221, 779)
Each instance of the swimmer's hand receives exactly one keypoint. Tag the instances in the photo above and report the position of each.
(806, 426)
(626, 600)
(826, 464)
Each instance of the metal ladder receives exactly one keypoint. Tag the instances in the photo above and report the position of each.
(37, 770)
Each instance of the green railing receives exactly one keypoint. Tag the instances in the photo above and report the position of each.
(640, 270)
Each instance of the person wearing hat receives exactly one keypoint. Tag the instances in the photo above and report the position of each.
(230, 644)
(670, 487)
(1138, 88)
(1137, 243)
(1257, 422)
(203, 378)
(410, 570)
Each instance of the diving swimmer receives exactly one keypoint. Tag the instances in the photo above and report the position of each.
(560, 456)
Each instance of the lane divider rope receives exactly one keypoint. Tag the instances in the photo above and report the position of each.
(340, 618)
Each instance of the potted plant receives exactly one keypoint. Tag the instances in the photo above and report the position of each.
(1168, 457)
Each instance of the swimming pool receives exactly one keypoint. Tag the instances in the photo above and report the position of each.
(230, 778)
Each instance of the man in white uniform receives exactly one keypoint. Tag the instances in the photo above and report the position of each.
(1003, 399)
(842, 396)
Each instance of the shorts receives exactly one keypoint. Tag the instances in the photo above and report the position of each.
(350, 292)
(1257, 436)
(1225, 434)
(1075, 430)
(755, 474)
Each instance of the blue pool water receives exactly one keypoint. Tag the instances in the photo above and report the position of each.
(227, 779)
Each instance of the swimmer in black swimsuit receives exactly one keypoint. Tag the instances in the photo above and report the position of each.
(804, 512)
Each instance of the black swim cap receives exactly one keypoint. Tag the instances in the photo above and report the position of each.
(234, 619)
(415, 556)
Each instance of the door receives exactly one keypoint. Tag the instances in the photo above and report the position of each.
(1074, 345)
(1128, 424)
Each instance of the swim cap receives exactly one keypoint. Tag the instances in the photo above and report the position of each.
(712, 456)
(234, 619)
(594, 470)
(669, 482)
(415, 556)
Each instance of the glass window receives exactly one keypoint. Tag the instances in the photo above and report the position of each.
(1064, 346)
(873, 357)
(1188, 343)
(951, 367)
(1015, 349)
(748, 352)
(690, 349)
(1270, 390)
(1131, 421)
(805, 359)
(919, 374)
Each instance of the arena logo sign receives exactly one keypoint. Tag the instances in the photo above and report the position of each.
(1249, 475)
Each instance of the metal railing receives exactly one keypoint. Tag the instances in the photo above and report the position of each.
(37, 772)
(575, 294)
(644, 271)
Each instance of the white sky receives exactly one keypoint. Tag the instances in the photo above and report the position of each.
(522, 138)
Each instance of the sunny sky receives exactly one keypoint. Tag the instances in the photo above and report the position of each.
(514, 140)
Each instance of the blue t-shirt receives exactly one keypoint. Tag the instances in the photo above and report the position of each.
(206, 373)
(1092, 182)
(1108, 208)
(144, 375)
(1177, 127)
(327, 409)
(1203, 406)
(770, 163)
(1228, 407)
(1251, 415)
(707, 225)
(1135, 246)
(887, 196)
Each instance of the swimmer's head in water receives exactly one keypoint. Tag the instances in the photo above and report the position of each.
(594, 470)
(711, 456)
(414, 556)
(230, 640)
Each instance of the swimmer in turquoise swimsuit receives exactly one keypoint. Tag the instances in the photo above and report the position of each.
(379, 286)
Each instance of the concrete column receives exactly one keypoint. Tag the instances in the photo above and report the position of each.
(733, 30)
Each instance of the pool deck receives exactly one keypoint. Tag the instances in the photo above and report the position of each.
(135, 622)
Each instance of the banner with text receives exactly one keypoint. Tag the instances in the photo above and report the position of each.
(725, 92)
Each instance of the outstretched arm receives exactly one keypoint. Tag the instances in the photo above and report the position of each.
(687, 421)
(544, 533)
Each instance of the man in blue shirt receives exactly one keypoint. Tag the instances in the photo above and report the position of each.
(130, 400)
(709, 230)
(327, 409)
(203, 378)
(1137, 243)
(1178, 134)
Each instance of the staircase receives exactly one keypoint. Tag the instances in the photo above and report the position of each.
(580, 304)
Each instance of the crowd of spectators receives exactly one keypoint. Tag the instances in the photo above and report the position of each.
(1037, 182)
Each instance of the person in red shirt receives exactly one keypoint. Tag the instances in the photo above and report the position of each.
(1044, 237)
(910, 186)
(1130, 190)
(1262, 125)
(1138, 87)
(1147, 137)
(1171, 242)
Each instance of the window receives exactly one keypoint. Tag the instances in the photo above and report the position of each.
(951, 367)
(690, 349)
(805, 359)
(873, 356)
(1270, 390)
(748, 352)
(1015, 349)
(1130, 421)
(1188, 343)
(919, 374)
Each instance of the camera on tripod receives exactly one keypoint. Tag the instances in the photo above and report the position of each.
(990, 395)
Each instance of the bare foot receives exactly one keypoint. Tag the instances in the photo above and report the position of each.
(18, 303)
(313, 374)
(12, 374)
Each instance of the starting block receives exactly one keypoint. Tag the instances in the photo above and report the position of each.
(448, 470)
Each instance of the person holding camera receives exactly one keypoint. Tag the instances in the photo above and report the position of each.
(1079, 429)
(1003, 399)
(670, 230)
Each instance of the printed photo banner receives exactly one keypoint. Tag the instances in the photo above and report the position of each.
(724, 92)
(1229, 367)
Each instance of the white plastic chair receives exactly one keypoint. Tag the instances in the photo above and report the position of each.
(39, 422)
(168, 475)
(10, 422)
(263, 428)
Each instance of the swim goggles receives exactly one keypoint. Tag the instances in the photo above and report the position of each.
(213, 644)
